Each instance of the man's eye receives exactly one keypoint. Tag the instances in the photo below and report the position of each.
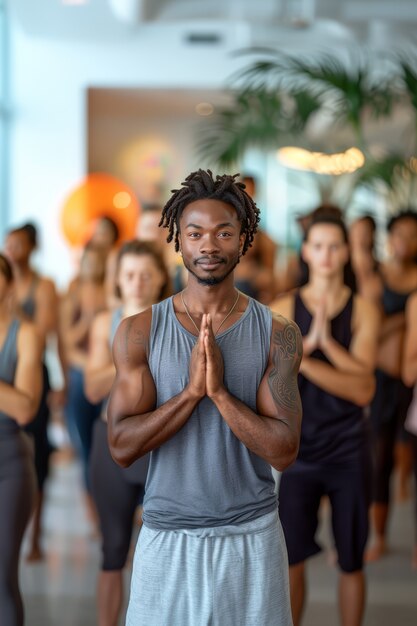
(193, 235)
(224, 234)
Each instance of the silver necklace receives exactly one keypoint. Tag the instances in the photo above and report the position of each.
(223, 320)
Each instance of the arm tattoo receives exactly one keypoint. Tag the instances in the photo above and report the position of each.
(286, 357)
(137, 338)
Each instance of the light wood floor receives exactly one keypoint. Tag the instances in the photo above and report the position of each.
(60, 590)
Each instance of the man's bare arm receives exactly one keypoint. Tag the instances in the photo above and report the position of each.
(273, 432)
(135, 425)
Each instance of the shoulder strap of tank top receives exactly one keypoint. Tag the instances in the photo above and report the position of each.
(116, 318)
(300, 310)
(10, 341)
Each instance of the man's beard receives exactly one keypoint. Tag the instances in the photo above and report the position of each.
(212, 280)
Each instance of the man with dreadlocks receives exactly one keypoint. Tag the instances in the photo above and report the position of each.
(207, 381)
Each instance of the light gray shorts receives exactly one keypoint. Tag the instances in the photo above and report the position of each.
(225, 576)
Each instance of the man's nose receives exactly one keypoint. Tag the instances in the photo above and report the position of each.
(209, 244)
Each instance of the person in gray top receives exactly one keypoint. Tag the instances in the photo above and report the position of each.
(207, 381)
(20, 393)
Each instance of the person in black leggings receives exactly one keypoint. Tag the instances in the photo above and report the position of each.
(142, 280)
(392, 397)
(336, 382)
(36, 301)
(20, 391)
(409, 376)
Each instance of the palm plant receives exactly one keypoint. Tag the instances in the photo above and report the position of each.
(276, 96)
(408, 80)
(256, 118)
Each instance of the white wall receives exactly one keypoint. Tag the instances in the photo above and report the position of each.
(49, 79)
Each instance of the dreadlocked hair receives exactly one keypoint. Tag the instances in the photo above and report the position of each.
(201, 185)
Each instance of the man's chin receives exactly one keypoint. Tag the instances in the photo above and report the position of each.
(210, 281)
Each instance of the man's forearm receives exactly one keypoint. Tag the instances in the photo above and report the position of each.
(270, 438)
(132, 436)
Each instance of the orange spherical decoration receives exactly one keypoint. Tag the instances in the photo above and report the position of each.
(97, 196)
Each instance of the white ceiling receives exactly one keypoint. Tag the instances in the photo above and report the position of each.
(279, 23)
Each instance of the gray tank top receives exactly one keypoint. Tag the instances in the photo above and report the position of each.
(116, 318)
(204, 476)
(28, 305)
(8, 361)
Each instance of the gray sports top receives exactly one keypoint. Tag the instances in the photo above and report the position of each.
(116, 318)
(28, 305)
(204, 476)
(8, 362)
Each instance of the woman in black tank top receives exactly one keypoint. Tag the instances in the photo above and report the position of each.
(20, 389)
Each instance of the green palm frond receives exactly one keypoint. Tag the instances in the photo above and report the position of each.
(409, 78)
(387, 171)
(255, 118)
(303, 104)
(351, 90)
(347, 89)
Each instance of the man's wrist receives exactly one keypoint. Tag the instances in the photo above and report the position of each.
(192, 394)
(219, 396)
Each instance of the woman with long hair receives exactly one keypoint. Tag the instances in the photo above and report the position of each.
(20, 393)
(142, 280)
(37, 301)
(85, 298)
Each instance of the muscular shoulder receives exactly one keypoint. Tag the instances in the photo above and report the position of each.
(131, 342)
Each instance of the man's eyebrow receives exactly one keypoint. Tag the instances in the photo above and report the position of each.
(223, 225)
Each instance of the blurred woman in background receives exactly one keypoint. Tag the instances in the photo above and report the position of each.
(409, 376)
(392, 397)
(20, 393)
(84, 299)
(142, 280)
(36, 300)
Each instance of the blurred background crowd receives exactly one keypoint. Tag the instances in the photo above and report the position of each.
(105, 106)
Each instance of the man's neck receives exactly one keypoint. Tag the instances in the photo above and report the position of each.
(209, 298)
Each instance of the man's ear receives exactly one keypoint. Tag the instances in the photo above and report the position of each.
(242, 239)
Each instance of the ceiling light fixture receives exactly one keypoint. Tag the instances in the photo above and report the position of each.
(320, 163)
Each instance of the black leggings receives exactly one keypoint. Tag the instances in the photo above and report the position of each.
(116, 493)
(38, 430)
(388, 411)
(17, 497)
